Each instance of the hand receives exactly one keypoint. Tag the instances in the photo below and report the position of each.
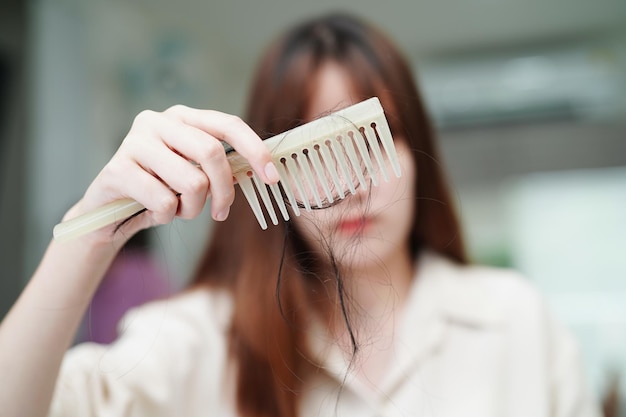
(153, 166)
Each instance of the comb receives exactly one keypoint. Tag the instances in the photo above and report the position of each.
(319, 163)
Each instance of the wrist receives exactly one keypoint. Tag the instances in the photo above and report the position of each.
(96, 238)
(70, 272)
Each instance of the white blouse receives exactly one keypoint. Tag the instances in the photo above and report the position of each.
(473, 342)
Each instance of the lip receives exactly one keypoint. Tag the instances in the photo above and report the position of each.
(354, 225)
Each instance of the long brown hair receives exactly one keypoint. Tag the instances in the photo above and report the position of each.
(264, 270)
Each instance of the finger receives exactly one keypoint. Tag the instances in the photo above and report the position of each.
(143, 187)
(232, 130)
(196, 145)
(220, 175)
(181, 176)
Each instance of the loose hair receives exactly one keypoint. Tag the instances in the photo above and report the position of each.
(269, 272)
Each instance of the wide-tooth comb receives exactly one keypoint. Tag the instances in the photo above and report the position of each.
(318, 162)
(337, 152)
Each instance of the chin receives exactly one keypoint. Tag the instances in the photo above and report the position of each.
(364, 252)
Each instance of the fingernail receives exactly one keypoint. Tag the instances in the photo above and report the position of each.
(222, 215)
(271, 173)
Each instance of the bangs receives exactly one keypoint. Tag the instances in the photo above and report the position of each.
(293, 92)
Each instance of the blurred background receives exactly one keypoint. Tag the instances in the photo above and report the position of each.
(529, 99)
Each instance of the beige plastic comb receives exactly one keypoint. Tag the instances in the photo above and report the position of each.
(318, 162)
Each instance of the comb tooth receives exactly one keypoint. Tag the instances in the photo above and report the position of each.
(320, 172)
(284, 179)
(308, 177)
(373, 142)
(384, 136)
(266, 198)
(246, 186)
(343, 165)
(279, 200)
(304, 173)
(295, 176)
(365, 155)
(346, 141)
(329, 163)
(281, 144)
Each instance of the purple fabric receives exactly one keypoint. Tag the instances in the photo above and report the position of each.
(133, 279)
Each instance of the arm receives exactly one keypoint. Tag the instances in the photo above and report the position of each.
(152, 167)
(41, 325)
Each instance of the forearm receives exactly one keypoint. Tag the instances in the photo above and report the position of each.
(152, 167)
(41, 325)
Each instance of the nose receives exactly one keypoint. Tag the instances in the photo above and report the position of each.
(362, 195)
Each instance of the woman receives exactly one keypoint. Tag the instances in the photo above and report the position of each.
(367, 307)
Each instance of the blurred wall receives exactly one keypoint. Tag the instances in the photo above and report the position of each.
(94, 65)
(13, 40)
(97, 64)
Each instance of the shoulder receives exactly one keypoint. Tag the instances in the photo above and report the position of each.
(499, 300)
(485, 294)
(195, 311)
(540, 352)
(151, 336)
(167, 354)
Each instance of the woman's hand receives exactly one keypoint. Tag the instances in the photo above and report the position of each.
(153, 166)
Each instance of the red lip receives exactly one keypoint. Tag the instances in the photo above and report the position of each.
(351, 226)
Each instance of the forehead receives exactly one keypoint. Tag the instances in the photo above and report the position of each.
(332, 90)
(334, 87)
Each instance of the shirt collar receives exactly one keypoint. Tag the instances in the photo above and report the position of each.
(442, 292)
(458, 292)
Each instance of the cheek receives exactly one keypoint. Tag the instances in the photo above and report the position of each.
(392, 202)
(396, 200)
(400, 191)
